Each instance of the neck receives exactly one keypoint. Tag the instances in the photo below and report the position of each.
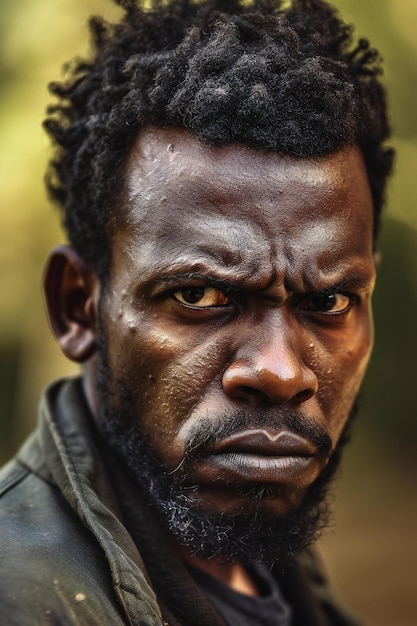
(235, 576)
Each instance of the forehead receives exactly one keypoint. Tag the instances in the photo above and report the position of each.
(183, 197)
(163, 159)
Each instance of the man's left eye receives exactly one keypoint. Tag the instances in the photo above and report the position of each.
(201, 297)
(330, 303)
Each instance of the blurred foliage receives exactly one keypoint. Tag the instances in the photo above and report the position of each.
(36, 38)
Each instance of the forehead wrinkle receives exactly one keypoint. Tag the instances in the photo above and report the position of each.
(317, 273)
(152, 169)
(202, 239)
(241, 207)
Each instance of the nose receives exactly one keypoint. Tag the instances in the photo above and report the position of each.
(270, 369)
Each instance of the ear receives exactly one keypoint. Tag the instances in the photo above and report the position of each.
(72, 292)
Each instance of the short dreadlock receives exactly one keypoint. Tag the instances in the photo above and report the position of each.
(290, 80)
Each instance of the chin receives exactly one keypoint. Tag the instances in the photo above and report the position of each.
(266, 500)
(255, 528)
(246, 522)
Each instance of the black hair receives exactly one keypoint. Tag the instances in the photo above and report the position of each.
(288, 79)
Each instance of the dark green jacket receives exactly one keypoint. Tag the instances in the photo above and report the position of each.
(67, 558)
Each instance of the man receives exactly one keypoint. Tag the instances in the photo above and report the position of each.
(221, 170)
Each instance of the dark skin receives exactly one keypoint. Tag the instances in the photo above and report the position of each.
(240, 279)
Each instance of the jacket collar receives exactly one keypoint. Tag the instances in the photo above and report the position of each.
(64, 451)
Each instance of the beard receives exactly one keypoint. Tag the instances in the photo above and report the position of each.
(250, 535)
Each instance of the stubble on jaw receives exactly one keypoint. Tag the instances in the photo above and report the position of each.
(248, 536)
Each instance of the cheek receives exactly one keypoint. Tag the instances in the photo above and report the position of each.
(167, 373)
(342, 369)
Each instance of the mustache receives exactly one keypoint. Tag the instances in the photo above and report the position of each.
(205, 433)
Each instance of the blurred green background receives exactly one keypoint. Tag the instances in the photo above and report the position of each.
(372, 545)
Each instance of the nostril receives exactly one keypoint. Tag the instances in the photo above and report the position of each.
(304, 395)
(244, 391)
(250, 391)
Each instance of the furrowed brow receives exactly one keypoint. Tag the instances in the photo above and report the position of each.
(355, 281)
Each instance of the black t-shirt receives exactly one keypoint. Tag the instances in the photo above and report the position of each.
(239, 609)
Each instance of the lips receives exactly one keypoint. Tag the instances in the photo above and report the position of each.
(262, 456)
(266, 442)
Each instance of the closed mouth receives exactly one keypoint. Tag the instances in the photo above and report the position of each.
(266, 442)
(262, 456)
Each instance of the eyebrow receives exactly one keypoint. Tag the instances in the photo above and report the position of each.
(227, 284)
(353, 279)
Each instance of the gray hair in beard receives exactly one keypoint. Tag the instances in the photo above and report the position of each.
(248, 537)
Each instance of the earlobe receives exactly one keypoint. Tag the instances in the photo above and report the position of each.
(71, 292)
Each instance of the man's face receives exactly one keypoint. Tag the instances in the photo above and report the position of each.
(237, 314)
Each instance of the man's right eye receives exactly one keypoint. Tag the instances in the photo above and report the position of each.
(201, 297)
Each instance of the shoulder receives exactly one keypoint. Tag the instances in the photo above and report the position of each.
(51, 568)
